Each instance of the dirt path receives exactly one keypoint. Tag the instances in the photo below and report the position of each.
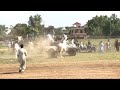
(82, 70)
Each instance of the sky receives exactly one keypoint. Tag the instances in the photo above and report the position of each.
(54, 18)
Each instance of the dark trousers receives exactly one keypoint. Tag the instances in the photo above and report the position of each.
(117, 48)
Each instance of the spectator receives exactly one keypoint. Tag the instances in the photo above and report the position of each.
(116, 44)
(101, 46)
(108, 45)
(16, 48)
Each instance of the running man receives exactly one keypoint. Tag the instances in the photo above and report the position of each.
(22, 53)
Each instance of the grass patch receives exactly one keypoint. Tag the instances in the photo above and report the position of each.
(8, 57)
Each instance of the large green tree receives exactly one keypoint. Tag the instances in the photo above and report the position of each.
(20, 30)
(34, 24)
(104, 26)
(114, 25)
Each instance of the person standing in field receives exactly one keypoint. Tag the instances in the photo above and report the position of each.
(108, 45)
(16, 48)
(101, 46)
(89, 45)
(21, 55)
(81, 44)
(12, 45)
(116, 44)
(9, 45)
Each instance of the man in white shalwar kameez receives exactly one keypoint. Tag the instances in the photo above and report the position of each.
(21, 55)
(16, 47)
(101, 46)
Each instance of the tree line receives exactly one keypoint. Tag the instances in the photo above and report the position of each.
(97, 26)
(104, 26)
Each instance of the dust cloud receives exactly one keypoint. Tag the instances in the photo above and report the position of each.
(38, 47)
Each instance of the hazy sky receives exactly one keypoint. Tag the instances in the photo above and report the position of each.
(55, 18)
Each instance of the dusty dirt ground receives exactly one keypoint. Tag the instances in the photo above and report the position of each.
(102, 69)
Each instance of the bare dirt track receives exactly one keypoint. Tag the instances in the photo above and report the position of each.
(102, 69)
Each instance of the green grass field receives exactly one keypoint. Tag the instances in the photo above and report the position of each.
(8, 57)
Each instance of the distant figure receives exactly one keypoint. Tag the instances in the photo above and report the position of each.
(89, 43)
(76, 42)
(21, 55)
(9, 45)
(116, 44)
(50, 39)
(16, 48)
(81, 45)
(101, 46)
(12, 45)
(73, 43)
(108, 45)
(64, 37)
